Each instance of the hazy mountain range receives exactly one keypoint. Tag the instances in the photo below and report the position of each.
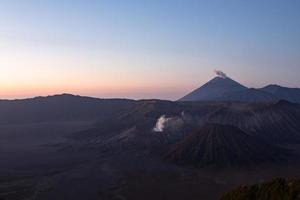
(226, 89)
(218, 137)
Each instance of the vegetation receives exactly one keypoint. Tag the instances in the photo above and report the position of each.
(277, 189)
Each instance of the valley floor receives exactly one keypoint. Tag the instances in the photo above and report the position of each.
(47, 173)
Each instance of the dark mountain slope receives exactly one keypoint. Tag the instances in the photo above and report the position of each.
(249, 95)
(223, 145)
(274, 122)
(290, 94)
(136, 123)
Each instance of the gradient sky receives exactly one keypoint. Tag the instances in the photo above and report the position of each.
(145, 48)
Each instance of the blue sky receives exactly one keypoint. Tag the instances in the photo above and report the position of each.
(145, 49)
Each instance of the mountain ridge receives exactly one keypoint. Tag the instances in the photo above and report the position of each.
(227, 89)
(223, 145)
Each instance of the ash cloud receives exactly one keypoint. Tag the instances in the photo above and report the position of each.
(220, 74)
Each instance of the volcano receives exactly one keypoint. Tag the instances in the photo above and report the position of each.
(214, 89)
(223, 145)
(223, 88)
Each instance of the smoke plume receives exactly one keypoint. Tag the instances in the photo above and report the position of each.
(160, 124)
(220, 74)
(173, 123)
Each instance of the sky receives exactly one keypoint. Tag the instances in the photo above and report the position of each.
(145, 48)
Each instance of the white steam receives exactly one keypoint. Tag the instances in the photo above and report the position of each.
(171, 123)
(160, 124)
(220, 74)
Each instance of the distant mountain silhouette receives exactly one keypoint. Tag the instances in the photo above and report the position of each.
(226, 89)
(249, 95)
(214, 89)
(290, 94)
(59, 108)
(223, 145)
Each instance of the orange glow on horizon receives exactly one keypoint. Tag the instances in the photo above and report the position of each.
(104, 91)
